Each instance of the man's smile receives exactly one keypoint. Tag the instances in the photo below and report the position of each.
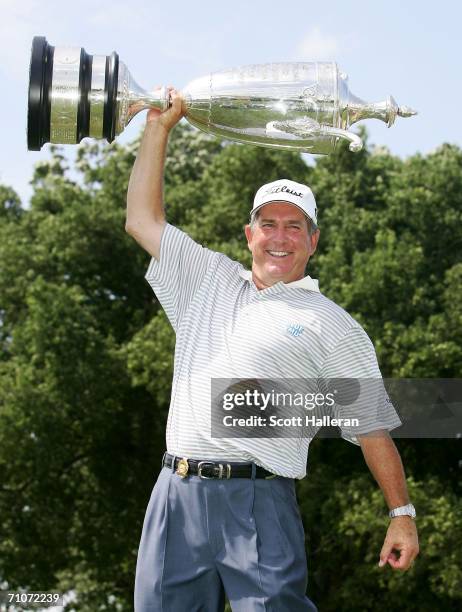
(279, 253)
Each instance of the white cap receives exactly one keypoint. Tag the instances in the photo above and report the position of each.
(287, 191)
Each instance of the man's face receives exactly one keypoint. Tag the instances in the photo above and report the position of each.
(280, 244)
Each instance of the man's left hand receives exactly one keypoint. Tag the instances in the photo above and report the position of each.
(401, 544)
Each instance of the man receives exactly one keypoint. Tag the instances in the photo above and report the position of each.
(223, 516)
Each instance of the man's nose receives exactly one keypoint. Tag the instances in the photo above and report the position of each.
(280, 233)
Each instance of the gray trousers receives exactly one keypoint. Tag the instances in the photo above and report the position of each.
(202, 538)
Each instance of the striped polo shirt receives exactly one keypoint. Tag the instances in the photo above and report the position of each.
(228, 329)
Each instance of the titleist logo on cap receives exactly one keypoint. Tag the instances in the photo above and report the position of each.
(283, 188)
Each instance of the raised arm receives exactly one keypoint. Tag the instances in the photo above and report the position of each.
(145, 207)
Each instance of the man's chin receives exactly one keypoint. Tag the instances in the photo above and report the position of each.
(274, 276)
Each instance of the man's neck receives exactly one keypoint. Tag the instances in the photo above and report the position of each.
(260, 284)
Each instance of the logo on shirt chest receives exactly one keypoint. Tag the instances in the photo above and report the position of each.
(295, 329)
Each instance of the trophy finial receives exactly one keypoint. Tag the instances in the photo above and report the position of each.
(406, 111)
(393, 111)
(386, 110)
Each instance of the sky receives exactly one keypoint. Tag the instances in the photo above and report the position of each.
(410, 49)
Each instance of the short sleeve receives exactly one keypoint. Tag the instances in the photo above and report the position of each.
(352, 373)
(177, 275)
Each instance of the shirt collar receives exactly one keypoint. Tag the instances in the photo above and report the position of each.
(308, 283)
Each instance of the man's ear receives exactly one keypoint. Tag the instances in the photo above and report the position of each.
(248, 235)
(314, 239)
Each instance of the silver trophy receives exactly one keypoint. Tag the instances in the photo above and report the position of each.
(303, 106)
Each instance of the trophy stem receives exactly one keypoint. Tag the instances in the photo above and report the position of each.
(146, 100)
(132, 98)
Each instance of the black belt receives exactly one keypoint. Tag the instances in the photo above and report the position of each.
(213, 469)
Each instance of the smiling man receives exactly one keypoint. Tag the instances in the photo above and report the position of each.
(223, 515)
(282, 234)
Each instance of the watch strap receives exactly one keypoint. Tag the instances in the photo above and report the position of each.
(407, 510)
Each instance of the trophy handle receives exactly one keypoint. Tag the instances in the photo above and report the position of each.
(356, 144)
(306, 128)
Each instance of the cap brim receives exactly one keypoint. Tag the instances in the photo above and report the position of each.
(254, 210)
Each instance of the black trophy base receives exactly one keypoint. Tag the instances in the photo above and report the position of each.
(41, 88)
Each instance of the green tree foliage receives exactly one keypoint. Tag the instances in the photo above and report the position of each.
(86, 361)
(345, 531)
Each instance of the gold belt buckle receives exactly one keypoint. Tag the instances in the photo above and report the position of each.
(182, 467)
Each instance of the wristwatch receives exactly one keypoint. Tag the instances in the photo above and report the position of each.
(407, 510)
